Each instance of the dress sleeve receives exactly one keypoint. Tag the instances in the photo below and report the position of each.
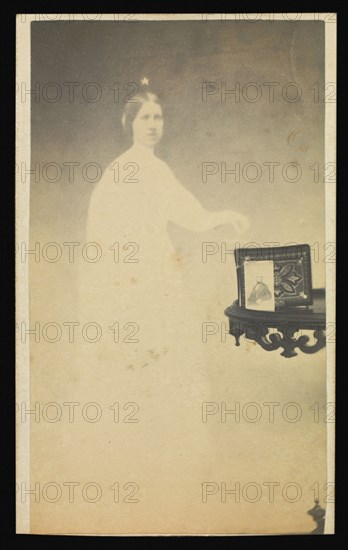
(101, 209)
(98, 276)
(187, 211)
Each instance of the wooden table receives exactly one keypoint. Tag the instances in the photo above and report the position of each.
(287, 322)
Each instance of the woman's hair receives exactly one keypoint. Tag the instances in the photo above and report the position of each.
(133, 107)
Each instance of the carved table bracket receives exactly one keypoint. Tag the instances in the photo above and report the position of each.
(274, 330)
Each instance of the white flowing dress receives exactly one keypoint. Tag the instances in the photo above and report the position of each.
(152, 354)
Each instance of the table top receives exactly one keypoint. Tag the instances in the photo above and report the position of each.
(306, 316)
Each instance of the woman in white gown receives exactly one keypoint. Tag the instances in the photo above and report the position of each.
(137, 294)
(129, 211)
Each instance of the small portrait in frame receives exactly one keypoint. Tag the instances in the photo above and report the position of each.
(259, 285)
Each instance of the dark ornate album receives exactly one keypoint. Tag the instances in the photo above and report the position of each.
(271, 278)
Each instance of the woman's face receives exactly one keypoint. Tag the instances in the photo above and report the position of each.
(148, 124)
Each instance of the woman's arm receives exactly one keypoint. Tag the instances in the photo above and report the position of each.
(187, 211)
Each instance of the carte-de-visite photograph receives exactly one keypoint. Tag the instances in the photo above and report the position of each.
(175, 258)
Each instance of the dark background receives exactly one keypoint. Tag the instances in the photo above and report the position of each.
(178, 57)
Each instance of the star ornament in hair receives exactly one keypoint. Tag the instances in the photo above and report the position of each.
(144, 81)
